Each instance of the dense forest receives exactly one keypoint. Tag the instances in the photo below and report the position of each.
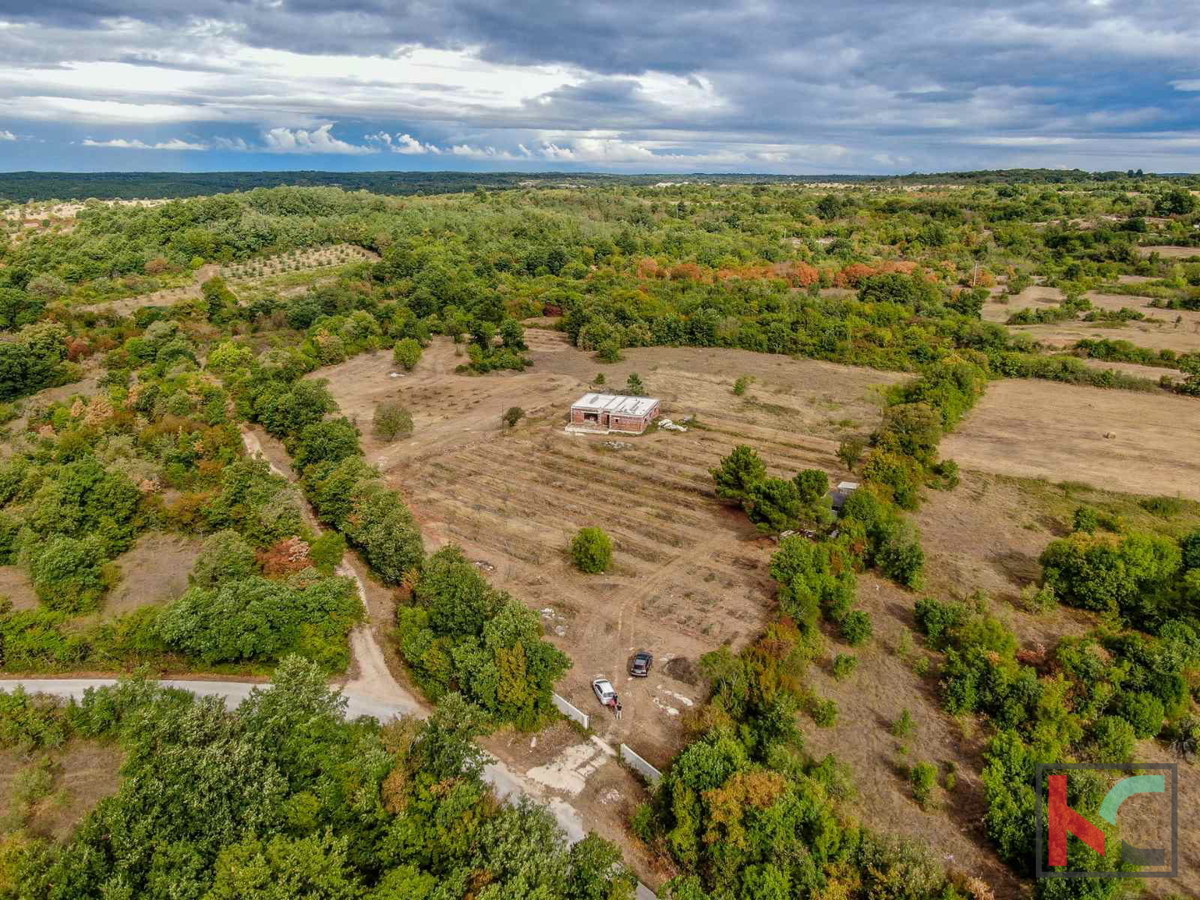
(23, 187)
(285, 798)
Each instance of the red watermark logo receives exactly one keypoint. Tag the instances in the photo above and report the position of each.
(1153, 855)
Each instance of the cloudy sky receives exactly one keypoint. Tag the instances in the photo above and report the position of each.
(606, 85)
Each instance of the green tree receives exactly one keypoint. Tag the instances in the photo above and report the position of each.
(224, 556)
(283, 868)
(850, 451)
(774, 505)
(923, 778)
(811, 485)
(513, 335)
(392, 420)
(407, 353)
(330, 441)
(591, 550)
(66, 573)
(738, 473)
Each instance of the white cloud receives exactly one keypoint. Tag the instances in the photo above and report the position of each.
(7, 136)
(236, 144)
(403, 143)
(318, 140)
(484, 153)
(126, 144)
(106, 112)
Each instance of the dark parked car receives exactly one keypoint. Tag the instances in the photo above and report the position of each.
(640, 664)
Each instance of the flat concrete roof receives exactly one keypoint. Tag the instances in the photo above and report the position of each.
(615, 404)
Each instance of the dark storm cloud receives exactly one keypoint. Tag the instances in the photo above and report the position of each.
(891, 80)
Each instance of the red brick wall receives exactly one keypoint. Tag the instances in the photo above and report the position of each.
(629, 423)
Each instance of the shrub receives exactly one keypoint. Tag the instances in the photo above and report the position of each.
(609, 352)
(903, 561)
(634, 386)
(895, 869)
(326, 552)
(29, 721)
(944, 475)
(1144, 712)
(742, 384)
(938, 619)
(1106, 572)
(923, 778)
(844, 665)
(225, 555)
(261, 619)
(391, 421)
(66, 573)
(897, 475)
(824, 712)
(591, 550)
(904, 726)
(1166, 507)
(407, 353)
(512, 416)
(912, 430)
(856, 627)
(1086, 520)
(1113, 740)
(812, 581)
(329, 441)
(1038, 599)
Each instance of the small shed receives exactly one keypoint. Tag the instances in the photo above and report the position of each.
(613, 412)
(842, 492)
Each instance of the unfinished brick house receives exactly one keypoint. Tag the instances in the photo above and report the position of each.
(609, 412)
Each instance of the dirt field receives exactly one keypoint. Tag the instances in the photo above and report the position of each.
(15, 585)
(154, 571)
(689, 573)
(1163, 328)
(869, 703)
(82, 774)
(1170, 252)
(1056, 431)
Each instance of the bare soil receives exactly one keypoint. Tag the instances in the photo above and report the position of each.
(869, 703)
(84, 773)
(689, 573)
(1170, 252)
(154, 571)
(1163, 329)
(16, 586)
(1126, 441)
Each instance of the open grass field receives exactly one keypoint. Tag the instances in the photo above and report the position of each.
(1134, 442)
